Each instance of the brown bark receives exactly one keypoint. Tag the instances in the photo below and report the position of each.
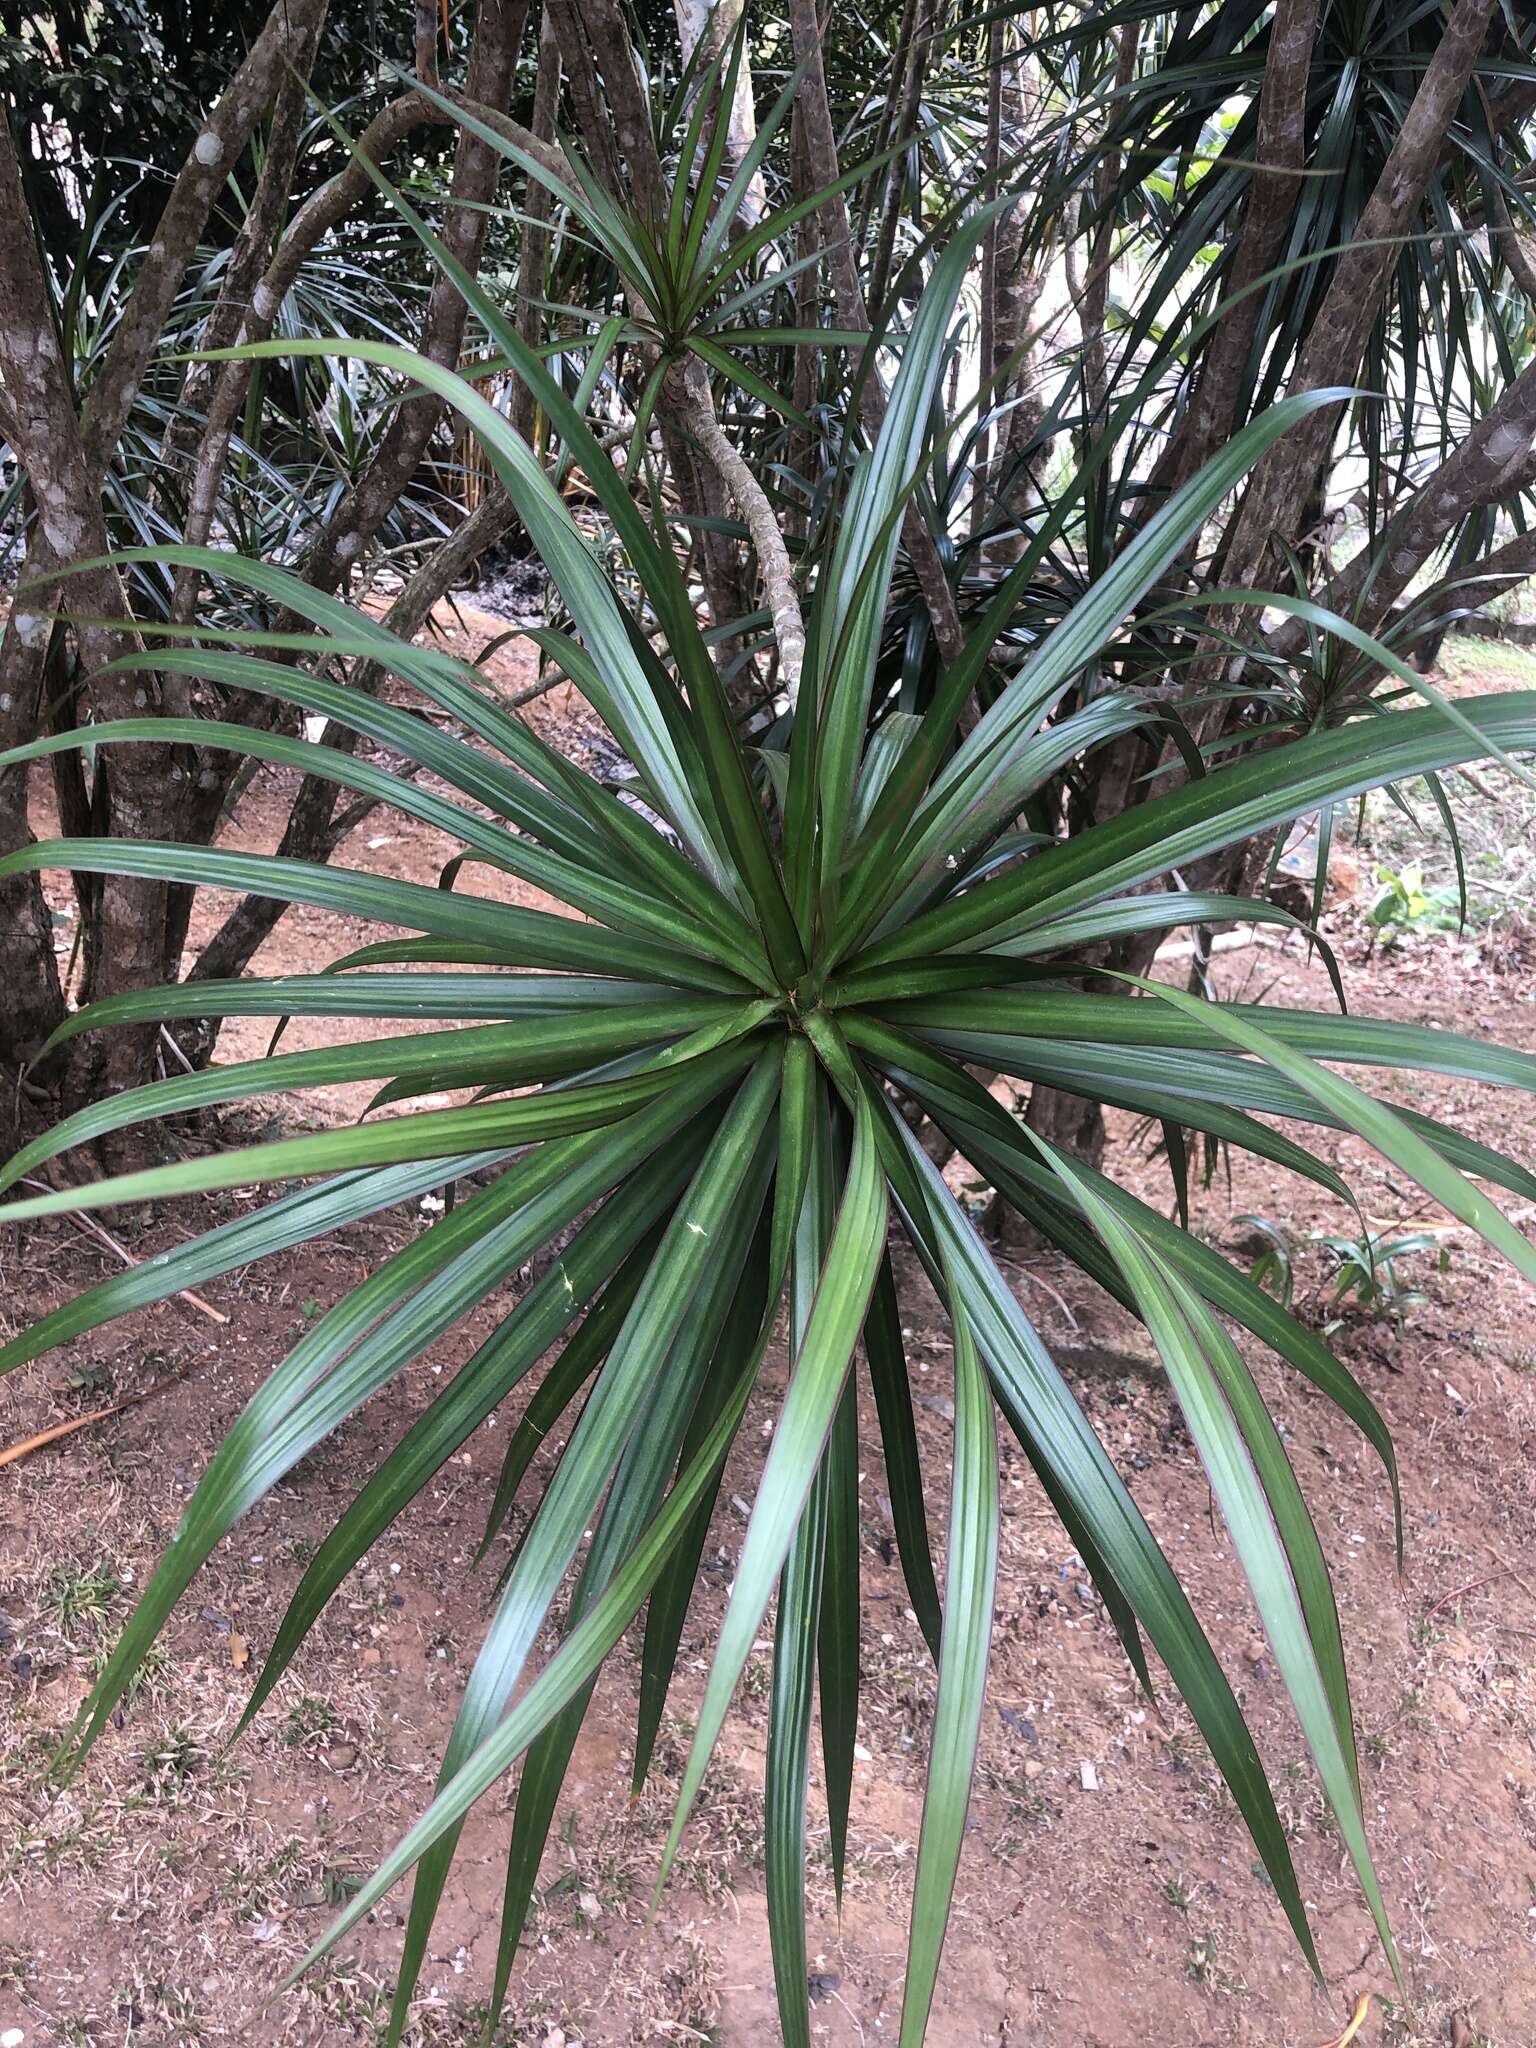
(258, 309)
(595, 43)
(915, 52)
(227, 322)
(1505, 569)
(807, 372)
(213, 155)
(1280, 150)
(66, 457)
(306, 836)
(1095, 300)
(1070, 1121)
(852, 313)
(1019, 276)
(694, 411)
(208, 789)
(890, 102)
(991, 158)
(533, 261)
(1480, 471)
(1337, 340)
(476, 172)
(68, 529)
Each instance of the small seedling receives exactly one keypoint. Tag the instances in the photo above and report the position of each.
(310, 1722)
(1366, 1267)
(1271, 1270)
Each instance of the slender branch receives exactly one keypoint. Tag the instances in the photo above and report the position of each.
(315, 218)
(1095, 300)
(1280, 147)
(477, 169)
(426, 41)
(210, 160)
(492, 67)
(533, 262)
(1521, 267)
(1479, 471)
(991, 158)
(906, 122)
(1336, 341)
(852, 312)
(226, 324)
(695, 413)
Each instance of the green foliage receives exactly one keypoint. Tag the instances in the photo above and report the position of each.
(1366, 1267)
(701, 1077)
(1363, 1266)
(1400, 902)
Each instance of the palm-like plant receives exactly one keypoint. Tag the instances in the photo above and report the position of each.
(714, 1050)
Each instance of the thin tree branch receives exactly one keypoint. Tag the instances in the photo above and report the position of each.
(210, 160)
(848, 293)
(694, 411)
(315, 218)
(1479, 471)
(1095, 299)
(1280, 148)
(491, 71)
(1337, 339)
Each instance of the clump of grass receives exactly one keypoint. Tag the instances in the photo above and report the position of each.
(81, 1597)
(309, 1724)
(174, 1761)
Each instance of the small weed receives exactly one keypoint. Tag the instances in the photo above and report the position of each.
(310, 1723)
(1402, 904)
(1366, 1267)
(1205, 1969)
(756, 1679)
(1176, 1895)
(175, 1761)
(1271, 1270)
(1364, 1270)
(81, 1596)
(340, 1886)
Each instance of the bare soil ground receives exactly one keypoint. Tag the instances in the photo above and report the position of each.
(161, 1896)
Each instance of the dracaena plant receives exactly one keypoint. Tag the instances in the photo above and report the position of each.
(696, 280)
(700, 1076)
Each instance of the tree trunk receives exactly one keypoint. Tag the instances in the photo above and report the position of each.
(66, 457)
(713, 23)
(306, 836)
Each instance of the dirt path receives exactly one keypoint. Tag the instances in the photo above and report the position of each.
(161, 1896)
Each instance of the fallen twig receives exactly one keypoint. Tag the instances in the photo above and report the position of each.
(1506, 1571)
(1461, 1592)
(92, 1228)
(1357, 2020)
(13, 1453)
